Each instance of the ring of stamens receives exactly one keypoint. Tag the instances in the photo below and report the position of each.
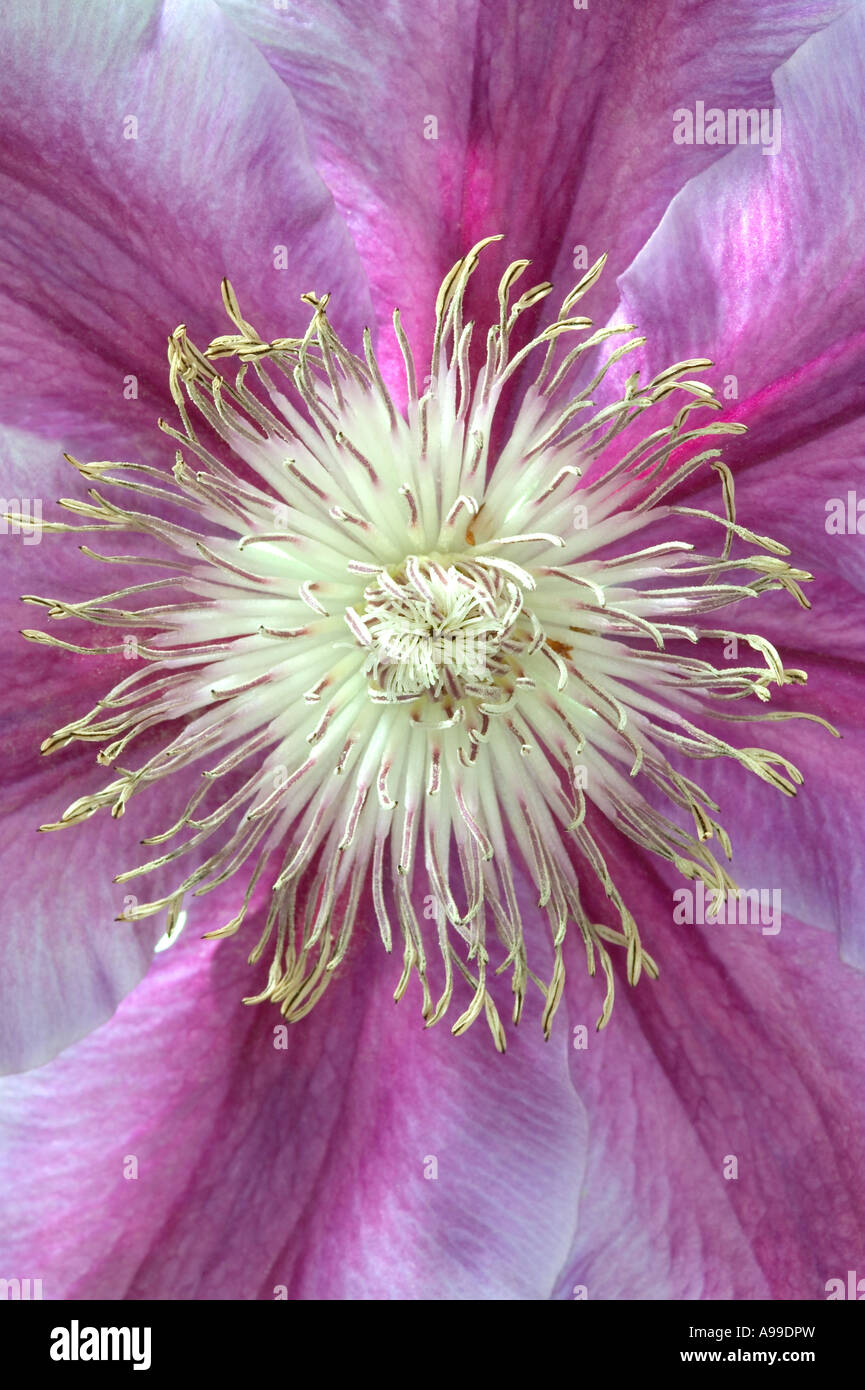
(403, 668)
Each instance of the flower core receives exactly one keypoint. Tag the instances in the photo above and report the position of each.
(410, 660)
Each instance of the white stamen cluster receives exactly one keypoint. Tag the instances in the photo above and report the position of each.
(402, 669)
(430, 628)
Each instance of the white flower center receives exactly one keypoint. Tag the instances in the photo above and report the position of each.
(402, 680)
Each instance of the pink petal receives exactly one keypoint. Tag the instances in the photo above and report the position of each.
(746, 1047)
(753, 265)
(757, 264)
(301, 1168)
(810, 845)
(554, 125)
(108, 242)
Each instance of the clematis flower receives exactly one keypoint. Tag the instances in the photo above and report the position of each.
(427, 639)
